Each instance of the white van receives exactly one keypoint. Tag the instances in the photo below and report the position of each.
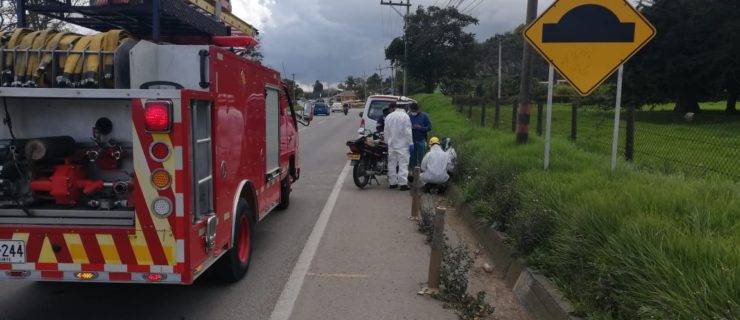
(374, 109)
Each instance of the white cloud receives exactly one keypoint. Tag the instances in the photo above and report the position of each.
(256, 12)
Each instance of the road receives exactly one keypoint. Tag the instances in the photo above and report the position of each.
(279, 240)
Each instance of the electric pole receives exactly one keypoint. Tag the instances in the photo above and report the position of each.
(400, 3)
(500, 39)
(522, 128)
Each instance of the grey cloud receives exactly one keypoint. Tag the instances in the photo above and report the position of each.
(330, 39)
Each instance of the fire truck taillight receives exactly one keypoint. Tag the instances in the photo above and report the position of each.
(162, 207)
(86, 275)
(158, 116)
(159, 151)
(161, 179)
(155, 276)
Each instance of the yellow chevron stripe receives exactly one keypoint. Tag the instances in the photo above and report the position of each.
(47, 254)
(150, 193)
(74, 243)
(108, 248)
(21, 236)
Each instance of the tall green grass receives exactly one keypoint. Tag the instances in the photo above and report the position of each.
(629, 244)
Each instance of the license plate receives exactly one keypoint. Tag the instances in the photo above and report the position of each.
(12, 251)
(352, 156)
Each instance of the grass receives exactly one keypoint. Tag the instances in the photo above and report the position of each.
(630, 244)
(664, 141)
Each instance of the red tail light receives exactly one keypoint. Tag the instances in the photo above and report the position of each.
(155, 276)
(362, 123)
(158, 116)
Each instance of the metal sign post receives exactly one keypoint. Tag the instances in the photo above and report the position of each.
(548, 123)
(617, 109)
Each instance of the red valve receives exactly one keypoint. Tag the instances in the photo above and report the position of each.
(67, 184)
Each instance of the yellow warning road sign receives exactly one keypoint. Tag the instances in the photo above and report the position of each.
(587, 40)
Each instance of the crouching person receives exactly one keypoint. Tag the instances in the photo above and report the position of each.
(434, 167)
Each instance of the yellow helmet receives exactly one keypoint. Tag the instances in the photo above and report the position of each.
(433, 141)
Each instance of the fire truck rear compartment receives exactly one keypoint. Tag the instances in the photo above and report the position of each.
(66, 162)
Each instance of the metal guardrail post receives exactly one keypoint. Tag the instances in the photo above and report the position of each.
(435, 260)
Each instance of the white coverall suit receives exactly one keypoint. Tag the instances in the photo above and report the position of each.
(397, 134)
(434, 166)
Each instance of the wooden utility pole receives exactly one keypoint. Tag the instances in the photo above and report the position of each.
(522, 129)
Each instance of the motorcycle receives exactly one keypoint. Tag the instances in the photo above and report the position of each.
(345, 108)
(369, 156)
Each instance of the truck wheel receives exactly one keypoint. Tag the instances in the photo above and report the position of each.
(284, 194)
(234, 264)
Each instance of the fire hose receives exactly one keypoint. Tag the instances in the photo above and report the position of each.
(29, 54)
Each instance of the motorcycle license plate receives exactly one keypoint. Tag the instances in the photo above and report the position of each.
(12, 251)
(353, 157)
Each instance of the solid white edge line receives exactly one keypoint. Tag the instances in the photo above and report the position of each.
(284, 306)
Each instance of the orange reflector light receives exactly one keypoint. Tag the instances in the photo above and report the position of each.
(86, 275)
(155, 276)
(161, 179)
(18, 274)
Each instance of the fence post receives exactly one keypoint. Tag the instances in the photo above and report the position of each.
(574, 122)
(539, 118)
(497, 114)
(435, 260)
(415, 195)
(629, 147)
(483, 112)
(513, 115)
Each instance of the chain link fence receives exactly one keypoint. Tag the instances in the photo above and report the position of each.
(701, 144)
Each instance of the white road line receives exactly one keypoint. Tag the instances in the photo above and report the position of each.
(284, 306)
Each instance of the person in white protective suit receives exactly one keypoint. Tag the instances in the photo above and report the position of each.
(397, 134)
(435, 163)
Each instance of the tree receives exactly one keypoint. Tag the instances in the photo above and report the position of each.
(318, 88)
(693, 57)
(439, 50)
(34, 21)
(373, 83)
(293, 87)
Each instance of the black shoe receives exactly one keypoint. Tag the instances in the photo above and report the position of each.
(393, 186)
(404, 188)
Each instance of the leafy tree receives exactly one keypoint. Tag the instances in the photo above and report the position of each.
(373, 83)
(693, 57)
(318, 88)
(439, 49)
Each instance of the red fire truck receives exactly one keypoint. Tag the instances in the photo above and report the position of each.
(148, 157)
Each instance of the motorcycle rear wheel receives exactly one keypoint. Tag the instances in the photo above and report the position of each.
(359, 173)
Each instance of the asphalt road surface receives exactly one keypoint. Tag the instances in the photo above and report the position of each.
(279, 240)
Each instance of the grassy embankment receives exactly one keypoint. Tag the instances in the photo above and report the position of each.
(625, 245)
(664, 141)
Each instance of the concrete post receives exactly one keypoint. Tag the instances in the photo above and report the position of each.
(416, 195)
(435, 260)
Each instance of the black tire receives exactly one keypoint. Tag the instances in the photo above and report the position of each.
(284, 194)
(231, 267)
(359, 175)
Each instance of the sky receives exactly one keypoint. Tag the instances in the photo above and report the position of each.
(328, 40)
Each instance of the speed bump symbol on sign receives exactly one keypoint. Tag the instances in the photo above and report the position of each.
(587, 40)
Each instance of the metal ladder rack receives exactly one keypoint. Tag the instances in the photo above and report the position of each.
(142, 18)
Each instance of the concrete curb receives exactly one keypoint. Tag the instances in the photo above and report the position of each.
(541, 299)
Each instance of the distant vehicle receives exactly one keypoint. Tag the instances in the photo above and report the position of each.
(321, 108)
(374, 109)
(336, 107)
